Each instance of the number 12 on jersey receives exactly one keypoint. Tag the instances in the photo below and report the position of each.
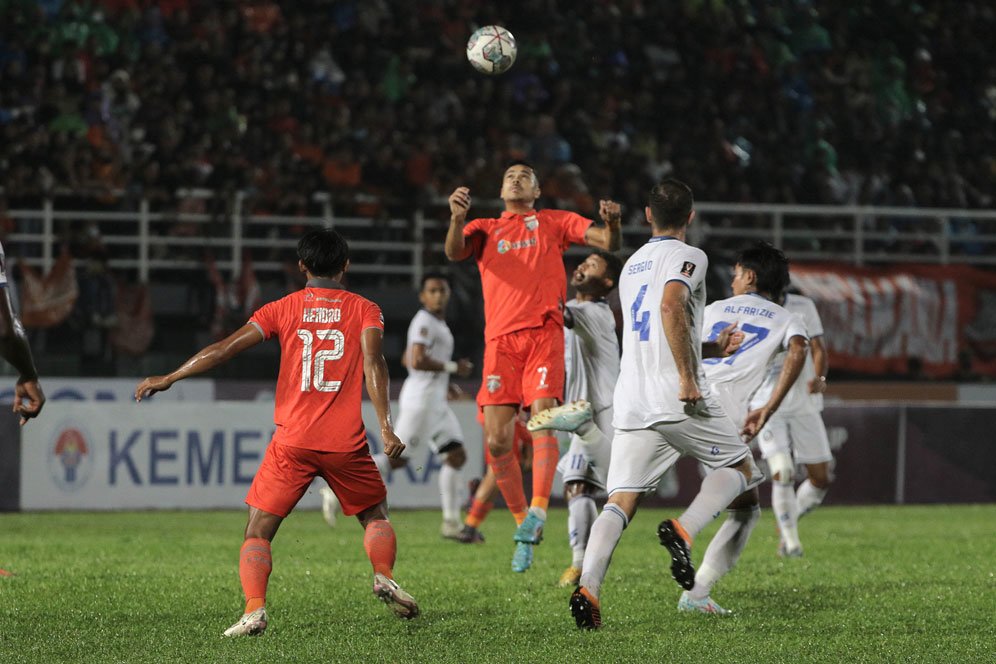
(320, 358)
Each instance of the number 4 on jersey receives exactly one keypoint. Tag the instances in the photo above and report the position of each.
(319, 360)
(641, 319)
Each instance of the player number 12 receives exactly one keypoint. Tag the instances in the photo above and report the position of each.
(319, 360)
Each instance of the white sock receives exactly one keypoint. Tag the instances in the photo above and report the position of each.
(725, 548)
(605, 534)
(783, 504)
(449, 490)
(383, 465)
(809, 497)
(718, 490)
(595, 445)
(581, 514)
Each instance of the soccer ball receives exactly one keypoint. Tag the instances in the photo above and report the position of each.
(491, 49)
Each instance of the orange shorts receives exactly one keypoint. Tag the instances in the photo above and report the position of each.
(286, 473)
(523, 366)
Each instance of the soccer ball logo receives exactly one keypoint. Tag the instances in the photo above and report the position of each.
(491, 49)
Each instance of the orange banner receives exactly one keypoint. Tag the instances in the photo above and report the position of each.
(910, 321)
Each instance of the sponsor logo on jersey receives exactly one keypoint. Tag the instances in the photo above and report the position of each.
(504, 246)
(688, 268)
(70, 461)
(493, 383)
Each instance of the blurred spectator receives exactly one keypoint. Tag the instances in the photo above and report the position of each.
(375, 97)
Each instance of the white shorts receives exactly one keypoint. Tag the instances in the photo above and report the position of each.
(584, 464)
(433, 424)
(804, 436)
(640, 457)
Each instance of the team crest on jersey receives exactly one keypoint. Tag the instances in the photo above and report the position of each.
(532, 223)
(687, 268)
(493, 383)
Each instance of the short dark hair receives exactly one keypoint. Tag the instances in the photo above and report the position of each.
(433, 275)
(670, 204)
(323, 251)
(769, 264)
(522, 162)
(613, 265)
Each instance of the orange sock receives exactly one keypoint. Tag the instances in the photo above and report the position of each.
(255, 563)
(509, 478)
(546, 454)
(381, 546)
(477, 513)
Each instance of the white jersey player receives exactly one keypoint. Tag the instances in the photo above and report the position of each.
(425, 417)
(796, 434)
(663, 406)
(591, 358)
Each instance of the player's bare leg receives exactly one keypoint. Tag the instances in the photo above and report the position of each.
(605, 535)
(255, 564)
(581, 515)
(381, 546)
(449, 489)
(722, 553)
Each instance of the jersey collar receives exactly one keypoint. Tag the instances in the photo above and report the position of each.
(323, 282)
(661, 238)
(512, 215)
(756, 294)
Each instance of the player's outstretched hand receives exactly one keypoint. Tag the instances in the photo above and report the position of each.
(460, 202)
(28, 399)
(756, 419)
(610, 212)
(151, 385)
(464, 367)
(729, 340)
(393, 447)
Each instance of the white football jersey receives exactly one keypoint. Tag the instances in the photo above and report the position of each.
(3, 268)
(435, 335)
(647, 390)
(591, 354)
(798, 400)
(767, 329)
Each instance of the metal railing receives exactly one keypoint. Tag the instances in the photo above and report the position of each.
(154, 241)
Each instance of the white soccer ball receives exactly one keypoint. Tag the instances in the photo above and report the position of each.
(491, 49)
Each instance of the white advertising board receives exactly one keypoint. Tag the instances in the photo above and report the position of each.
(88, 455)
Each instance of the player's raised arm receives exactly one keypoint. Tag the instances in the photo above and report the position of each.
(378, 383)
(756, 419)
(28, 395)
(608, 237)
(680, 339)
(457, 248)
(205, 359)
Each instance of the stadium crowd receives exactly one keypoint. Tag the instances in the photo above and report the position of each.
(886, 103)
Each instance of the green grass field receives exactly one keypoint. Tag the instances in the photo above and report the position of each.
(876, 584)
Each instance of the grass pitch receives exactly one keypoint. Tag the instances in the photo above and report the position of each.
(876, 584)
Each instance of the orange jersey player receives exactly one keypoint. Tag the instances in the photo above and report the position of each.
(330, 339)
(520, 258)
